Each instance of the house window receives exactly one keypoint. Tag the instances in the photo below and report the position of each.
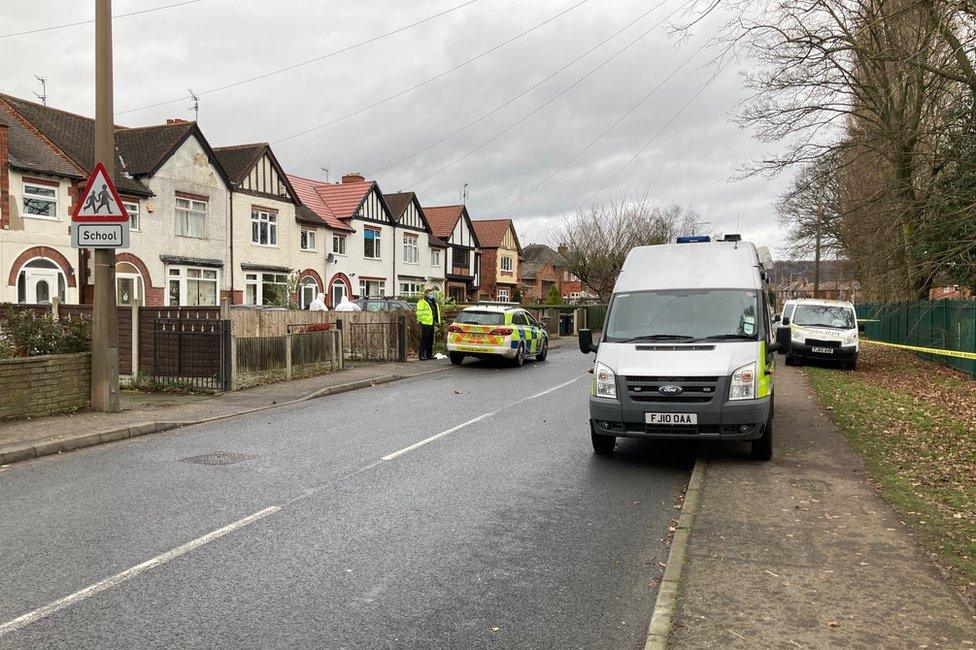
(411, 289)
(189, 286)
(461, 258)
(411, 249)
(372, 288)
(38, 281)
(435, 257)
(506, 263)
(371, 243)
(264, 227)
(266, 289)
(339, 244)
(503, 295)
(40, 201)
(133, 211)
(191, 218)
(307, 240)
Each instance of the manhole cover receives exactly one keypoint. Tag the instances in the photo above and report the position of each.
(217, 458)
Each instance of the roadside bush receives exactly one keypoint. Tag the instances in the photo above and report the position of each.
(26, 333)
(315, 327)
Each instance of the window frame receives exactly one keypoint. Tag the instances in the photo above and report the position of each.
(341, 241)
(377, 240)
(183, 279)
(411, 243)
(56, 188)
(418, 289)
(435, 257)
(186, 212)
(506, 293)
(256, 281)
(135, 225)
(364, 288)
(511, 263)
(304, 236)
(268, 218)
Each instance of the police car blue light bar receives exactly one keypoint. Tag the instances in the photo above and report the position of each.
(693, 239)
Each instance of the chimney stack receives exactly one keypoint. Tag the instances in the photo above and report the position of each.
(175, 120)
(4, 176)
(353, 177)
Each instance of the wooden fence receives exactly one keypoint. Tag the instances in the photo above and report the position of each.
(258, 359)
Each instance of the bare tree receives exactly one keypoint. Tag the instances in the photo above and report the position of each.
(593, 242)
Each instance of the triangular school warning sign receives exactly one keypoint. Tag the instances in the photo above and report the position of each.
(100, 201)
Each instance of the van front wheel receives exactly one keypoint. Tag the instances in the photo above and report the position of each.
(602, 445)
(762, 449)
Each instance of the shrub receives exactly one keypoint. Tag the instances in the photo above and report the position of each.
(315, 327)
(29, 333)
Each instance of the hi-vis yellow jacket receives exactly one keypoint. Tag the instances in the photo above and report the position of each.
(425, 316)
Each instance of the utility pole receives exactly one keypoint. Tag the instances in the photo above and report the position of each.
(105, 334)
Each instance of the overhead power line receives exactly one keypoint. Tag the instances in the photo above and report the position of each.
(657, 134)
(548, 101)
(525, 92)
(437, 76)
(321, 57)
(88, 22)
(610, 128)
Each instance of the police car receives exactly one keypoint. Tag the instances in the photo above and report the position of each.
(486, 331)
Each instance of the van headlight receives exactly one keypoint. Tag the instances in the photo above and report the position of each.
(743, 383)
(849, 339)
(797, 335)
(606, 382)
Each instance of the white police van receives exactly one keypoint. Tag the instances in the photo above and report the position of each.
(822, 330)
(687, 347)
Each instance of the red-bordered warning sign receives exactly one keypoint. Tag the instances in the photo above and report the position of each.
(100, 202)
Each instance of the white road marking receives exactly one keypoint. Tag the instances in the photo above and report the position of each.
(434, 437)
(118, 578)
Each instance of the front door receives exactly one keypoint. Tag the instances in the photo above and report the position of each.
(41, 285)
(338, 292)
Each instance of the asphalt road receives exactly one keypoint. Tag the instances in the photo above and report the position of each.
(332, 528)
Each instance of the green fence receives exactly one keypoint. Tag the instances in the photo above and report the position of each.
(943, 324)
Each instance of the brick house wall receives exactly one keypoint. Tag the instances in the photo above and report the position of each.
(489, 265)
(34, 386)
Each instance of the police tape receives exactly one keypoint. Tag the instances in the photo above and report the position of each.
(959, 354)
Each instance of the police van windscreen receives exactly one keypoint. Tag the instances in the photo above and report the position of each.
(684, 316)
(835, 316)
(481, 318)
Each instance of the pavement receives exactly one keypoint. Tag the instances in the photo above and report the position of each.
(145, 413)
(802, 552)
(456, 509)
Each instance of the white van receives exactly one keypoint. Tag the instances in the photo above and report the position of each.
(687, 347)
(824, 330)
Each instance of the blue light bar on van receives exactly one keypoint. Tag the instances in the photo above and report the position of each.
(693, 239)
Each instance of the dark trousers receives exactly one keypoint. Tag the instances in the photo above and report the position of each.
(426, 341)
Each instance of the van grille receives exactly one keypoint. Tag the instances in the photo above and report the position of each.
(694, 390)
(823, 344)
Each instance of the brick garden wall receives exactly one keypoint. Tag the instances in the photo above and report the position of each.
(33, 386)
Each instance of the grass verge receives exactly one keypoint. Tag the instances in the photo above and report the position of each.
(915, 424)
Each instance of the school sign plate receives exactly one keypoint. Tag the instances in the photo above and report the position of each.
(98, 219)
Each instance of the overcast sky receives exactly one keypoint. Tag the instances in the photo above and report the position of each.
(211, 43)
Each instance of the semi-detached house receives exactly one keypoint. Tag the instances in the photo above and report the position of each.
(501, 255)
(420, 260)
(169, 180)
(452, 224)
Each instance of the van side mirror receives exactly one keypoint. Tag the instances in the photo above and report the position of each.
(784, 336)
(777, 317)
(586, 344)
(785, 321)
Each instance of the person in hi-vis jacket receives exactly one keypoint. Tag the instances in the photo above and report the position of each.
(428, 315)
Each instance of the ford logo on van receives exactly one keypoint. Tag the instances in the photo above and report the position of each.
(670, 389)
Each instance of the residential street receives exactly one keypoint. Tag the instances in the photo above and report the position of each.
(506, 531)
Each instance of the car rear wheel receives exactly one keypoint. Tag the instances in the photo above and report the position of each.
(790, 359)
(544, 353)
(602, 445)
(456, 358)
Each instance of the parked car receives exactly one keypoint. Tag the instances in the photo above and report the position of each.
(486, 331)
(383, 304)
(825, 330)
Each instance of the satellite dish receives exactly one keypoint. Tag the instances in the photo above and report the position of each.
(331, 258)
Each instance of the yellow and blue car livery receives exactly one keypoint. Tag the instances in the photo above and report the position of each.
(496, 331)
